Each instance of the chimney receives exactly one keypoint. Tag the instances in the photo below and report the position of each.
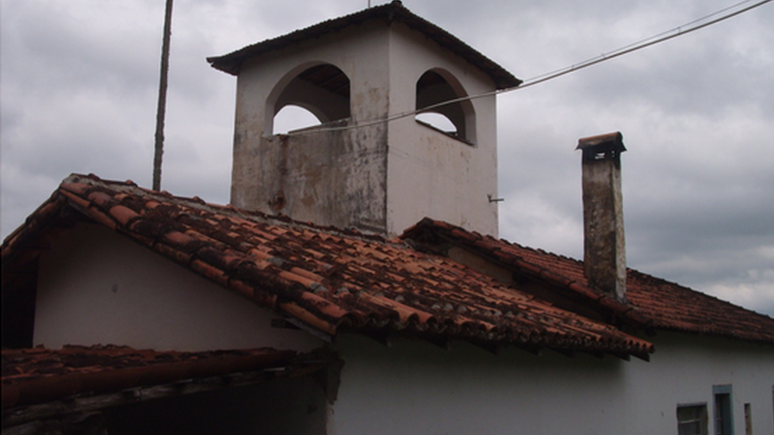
(604, 252)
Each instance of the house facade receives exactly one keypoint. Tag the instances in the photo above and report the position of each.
(296, 309)
(468, 390)
(448, 345)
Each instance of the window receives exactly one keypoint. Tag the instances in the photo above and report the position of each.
(692, 419)
(724, 424)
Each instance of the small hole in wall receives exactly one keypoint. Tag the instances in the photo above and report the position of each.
(293, 118)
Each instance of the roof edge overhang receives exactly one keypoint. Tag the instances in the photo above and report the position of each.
(124, 376)
(231, 63)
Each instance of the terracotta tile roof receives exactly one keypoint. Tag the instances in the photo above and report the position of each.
(40, 375)
(329, 279)
(390, 12)
(651, 302)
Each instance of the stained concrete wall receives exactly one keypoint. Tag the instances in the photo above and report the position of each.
(329, 178)
(97, 287)
(604, 252)
(383, 177)
(415, 387)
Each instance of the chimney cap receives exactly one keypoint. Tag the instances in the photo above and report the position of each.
(603, 146)
(602, 142)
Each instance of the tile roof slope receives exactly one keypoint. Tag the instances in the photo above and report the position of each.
(39, 375)
(652, 302)
(330, 279)
(393, 11)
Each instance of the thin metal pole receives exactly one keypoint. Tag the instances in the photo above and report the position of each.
(160, 111)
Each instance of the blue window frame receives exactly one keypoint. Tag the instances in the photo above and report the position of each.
(723, 410)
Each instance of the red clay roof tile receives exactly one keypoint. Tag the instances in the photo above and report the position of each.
(652, 302)
(327, 278)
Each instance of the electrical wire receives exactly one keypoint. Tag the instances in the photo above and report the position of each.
(639, 45)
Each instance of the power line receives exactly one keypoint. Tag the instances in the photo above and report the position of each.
(639, 45)
(684, 29)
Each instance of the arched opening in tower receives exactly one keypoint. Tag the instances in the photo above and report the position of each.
(457, 118)
(318, 95)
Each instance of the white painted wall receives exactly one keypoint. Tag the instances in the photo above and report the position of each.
(430, 174)
(97, 287)
(417, 388)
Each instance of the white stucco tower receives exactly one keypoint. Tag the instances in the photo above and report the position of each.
(361, 168)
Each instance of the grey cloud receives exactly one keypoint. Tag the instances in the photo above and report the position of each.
(62, 50)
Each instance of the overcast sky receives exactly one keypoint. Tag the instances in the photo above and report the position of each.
(80, 82)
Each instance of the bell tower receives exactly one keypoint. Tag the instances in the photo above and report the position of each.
(363, 166)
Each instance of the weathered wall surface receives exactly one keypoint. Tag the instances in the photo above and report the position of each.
(431, 174)
(417, 388)
(383, 177)
(330, 178)
(604, 243)
(97, 287)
